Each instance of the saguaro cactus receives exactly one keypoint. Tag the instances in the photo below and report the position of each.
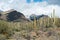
(54, 16)
(35, 26)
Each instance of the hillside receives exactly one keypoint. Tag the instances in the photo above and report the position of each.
(15, 26)
(13, 15)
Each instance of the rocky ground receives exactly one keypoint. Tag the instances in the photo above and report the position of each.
(35, 35)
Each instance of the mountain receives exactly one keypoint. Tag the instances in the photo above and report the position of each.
(1, 11)
(13, 15)
(33, 16)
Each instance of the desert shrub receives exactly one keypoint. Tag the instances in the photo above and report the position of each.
(3, 26)
(5, 29)
(2, 37)
(57, 22)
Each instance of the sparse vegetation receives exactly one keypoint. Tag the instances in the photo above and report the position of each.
(42, 29)
(5, 29)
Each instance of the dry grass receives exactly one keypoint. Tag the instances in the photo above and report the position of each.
(42, 29)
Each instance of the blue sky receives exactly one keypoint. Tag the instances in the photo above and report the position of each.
(28, 1)
(28, 7)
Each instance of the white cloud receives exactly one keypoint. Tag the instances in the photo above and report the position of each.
(31, 8)
(40, 8)
(10, 1)
(47, 10)
(5, 5)
(1, 4)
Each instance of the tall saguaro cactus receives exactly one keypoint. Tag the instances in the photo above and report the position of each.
(54, 16)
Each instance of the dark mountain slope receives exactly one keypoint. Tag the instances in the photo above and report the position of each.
(37, 17)
(13, 15)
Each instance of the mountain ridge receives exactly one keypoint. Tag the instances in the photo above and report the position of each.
(12, 15)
